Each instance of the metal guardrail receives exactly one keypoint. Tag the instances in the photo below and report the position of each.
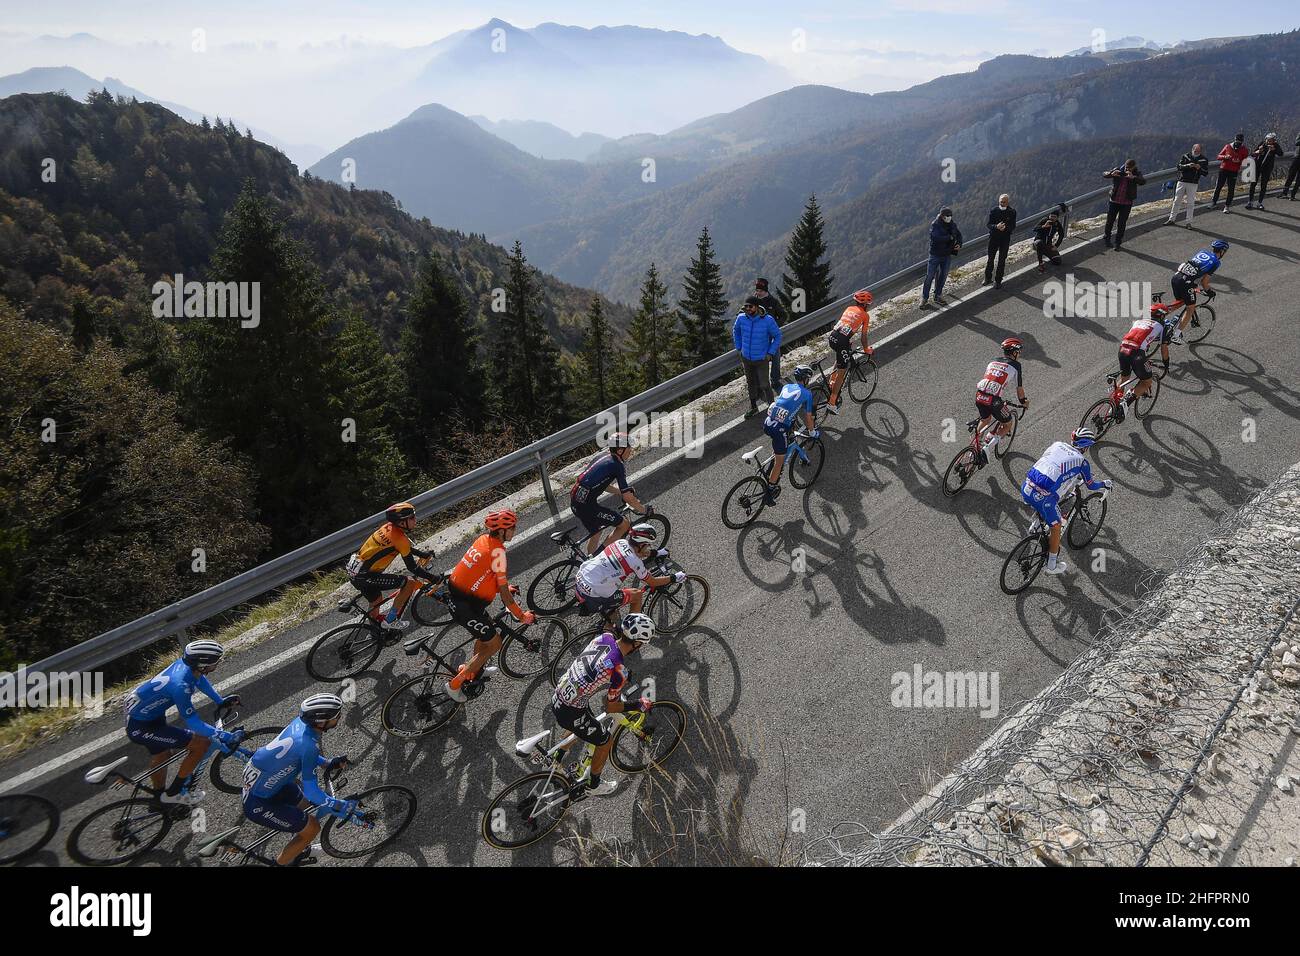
(253, 583)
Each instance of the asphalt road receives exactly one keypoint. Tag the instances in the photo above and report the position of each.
(787, 678)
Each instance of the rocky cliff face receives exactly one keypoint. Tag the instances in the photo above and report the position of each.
(1027, 121)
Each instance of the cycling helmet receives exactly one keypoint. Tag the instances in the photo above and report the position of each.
(501, 520)
(802, 373)
(862, 297)
(1012, 344)
(202, 653)
(620, 440)
(643, 534)
(319, 708)
(1083, 437)
(402, 511)
(1219, 246)
(637, 628)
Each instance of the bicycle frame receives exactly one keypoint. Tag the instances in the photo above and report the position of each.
(980, 436)
(532, 748)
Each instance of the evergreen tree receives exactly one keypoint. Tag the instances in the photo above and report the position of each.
(803, 259)
(369, 384)
(531, 388)
(653, 340)
(702, 305)
(596, 360)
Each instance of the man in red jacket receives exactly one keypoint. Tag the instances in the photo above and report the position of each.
(1230, 159)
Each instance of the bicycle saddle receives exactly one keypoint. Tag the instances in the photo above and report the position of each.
(971, 425)
(560, 536)
(751, 455)
(209, 848)
(98, 774)
(525, 747)
(412, 646)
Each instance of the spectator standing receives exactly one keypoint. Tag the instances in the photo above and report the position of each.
(1230, 159)
(1047, 236)
(1002, 223)
(1266, 154)
(1191, 168)
(945, 242)
(1293, 174)
(1123, 191)
(758, 339)
(772, 306)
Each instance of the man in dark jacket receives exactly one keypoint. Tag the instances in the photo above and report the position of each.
(1293, 174)
(1266, 154)
(945, 242)
(1191, 168)
(1123, 192)
(772, 306)
(1230, 159)
(1047, 236)
(1002, 223)
(757, 338)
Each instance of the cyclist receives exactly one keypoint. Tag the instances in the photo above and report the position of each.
(476, 581)
(782, 417)
(146, 719)
(599, 579)
(1001, 376)
(1054, 476)
(1134, 351)
(1196, 271)
(367, 568)
(280, 785)
(609, 466)
(853, 319)
(599, 667)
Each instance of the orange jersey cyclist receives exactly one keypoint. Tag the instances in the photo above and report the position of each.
(368, 568)
(853, 321)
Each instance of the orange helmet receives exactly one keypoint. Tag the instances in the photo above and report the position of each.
(501, 520)
(402, 511)
(862, 297)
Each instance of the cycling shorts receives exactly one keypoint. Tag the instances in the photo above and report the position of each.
(280, 811)
(157, 735)
(1048, 506)
(780, 436)
(595, 517)
(1184, 288)
(581, 722)
(1134, 363)
(994, 406)
(373, 584)
(589, 604)
(471, 613)
(842, 346)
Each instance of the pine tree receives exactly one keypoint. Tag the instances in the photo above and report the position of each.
(531, 387)
(369, 384)
(653, 339)
(597, 360)
(702, 305)
(806, 270)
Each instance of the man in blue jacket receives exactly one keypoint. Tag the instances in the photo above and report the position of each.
(758, 339)
(945, 242)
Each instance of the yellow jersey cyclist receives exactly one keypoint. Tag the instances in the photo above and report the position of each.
(600, 578)
(368, 568)
(853, 320)
(606, 468)
(478, 579)
(600, 670)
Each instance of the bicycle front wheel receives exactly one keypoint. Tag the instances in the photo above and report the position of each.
(744, 502)
(1004, 443)
(420, 706)
(803, 474)
(1099, 417)
(1023, 563)
(862, 380)
(228, 769)
(567, 654)
(344, 652)
(648, 740)
(659, 522)
(385, 813)
(428, 611)
(678, 606)
(552, 590)
(1201, 325)
(119, 832)
(528, 653)
(1142, 406)
(527, 810)
(821, 397)
(1085, 524)
(960, 471)
(27, 822)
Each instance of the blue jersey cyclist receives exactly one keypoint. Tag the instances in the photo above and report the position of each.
(1052, 477)
(146, 719)
(605, 469)
(783, 418)
(1194, 275)
(280, 788)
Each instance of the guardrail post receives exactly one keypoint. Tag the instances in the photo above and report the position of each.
(546, 485)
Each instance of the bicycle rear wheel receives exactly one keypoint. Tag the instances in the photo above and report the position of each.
(862, 379)
(527, 810)
(387, 812)
(1201, 325)
(420, 706)
(1142, 406)
(27, 823)
(1099, 417)
(228, 770)
(744, 502)
(960, 471)
(119, 832)
(552, 590)
(649, 741)
(802, 474)
(520, 660)
(678, 606)
(1023, 563)
(1089, 515)
(344, 651)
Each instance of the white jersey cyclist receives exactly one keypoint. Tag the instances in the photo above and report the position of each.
(1060, 468)
(1002, 378)
(1145, 335)
(601, 575)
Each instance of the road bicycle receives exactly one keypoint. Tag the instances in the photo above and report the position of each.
(421, 705)
(382, 815)
(350, 649)
(1082, 515)
(125, 830)
(860, 380)
(1198, 329)
(551, 592)
(531, 807)
(966, 462)
(748, 497)
(27, 823)
(1105, 412)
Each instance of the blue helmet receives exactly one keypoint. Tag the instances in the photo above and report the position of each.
(1218, 245)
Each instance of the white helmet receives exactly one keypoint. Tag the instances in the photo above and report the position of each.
(319, 708)
(637, 628)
